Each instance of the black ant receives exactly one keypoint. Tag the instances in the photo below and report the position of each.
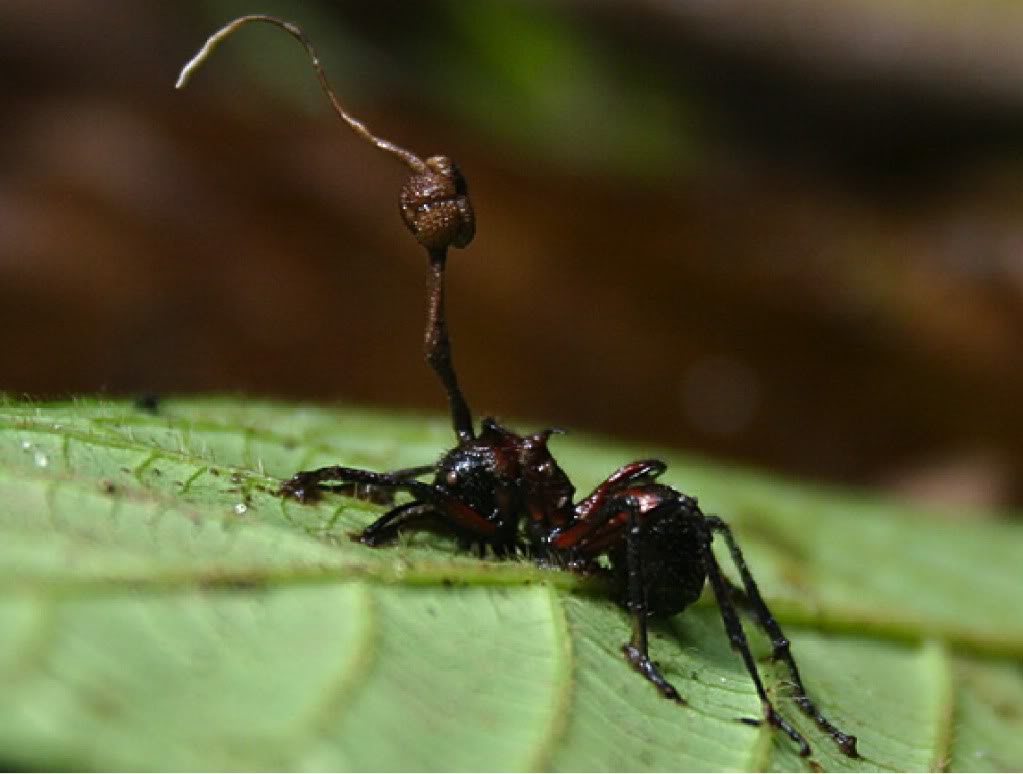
(505, 491)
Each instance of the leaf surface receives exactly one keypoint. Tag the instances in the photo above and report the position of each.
(162, 608)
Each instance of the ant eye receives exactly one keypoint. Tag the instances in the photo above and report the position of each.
(547, 468)
(452, 478)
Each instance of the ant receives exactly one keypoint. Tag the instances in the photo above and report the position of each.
(500, 490)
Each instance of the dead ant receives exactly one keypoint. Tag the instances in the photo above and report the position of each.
(506, 491)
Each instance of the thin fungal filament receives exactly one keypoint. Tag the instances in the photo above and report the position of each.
(414, 163)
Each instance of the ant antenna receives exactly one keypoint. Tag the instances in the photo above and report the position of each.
(434, 205)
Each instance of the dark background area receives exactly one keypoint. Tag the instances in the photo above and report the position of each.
(787, 234)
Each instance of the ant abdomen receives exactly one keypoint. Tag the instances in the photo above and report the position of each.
(670, 550)
(435, 206)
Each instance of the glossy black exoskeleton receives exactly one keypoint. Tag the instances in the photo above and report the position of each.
(505, 492)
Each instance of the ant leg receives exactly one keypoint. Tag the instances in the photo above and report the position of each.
(779, 642)
(596, 510)
(386, 528)
(303, 487)
(306, 485)
(375, 494)
(438, 348)
(637, 650)
(416, 472)
(737, 638)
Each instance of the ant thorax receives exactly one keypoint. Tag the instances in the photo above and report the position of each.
(510, 478)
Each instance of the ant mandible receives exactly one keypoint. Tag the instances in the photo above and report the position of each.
(506, 491)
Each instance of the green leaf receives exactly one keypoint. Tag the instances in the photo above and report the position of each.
(162, 608)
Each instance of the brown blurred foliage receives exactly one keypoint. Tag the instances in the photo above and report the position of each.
(824, 277)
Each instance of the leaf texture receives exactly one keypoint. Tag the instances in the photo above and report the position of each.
(161, 608)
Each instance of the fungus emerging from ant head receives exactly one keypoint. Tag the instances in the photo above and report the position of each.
(506, 492)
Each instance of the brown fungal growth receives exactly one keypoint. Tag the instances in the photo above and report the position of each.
(434, 205)
(436, 208)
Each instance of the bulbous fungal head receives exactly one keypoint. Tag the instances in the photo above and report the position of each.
(435, 206)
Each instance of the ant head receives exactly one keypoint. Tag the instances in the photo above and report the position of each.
(435, 205)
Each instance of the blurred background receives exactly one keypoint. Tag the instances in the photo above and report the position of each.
(785, 233)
